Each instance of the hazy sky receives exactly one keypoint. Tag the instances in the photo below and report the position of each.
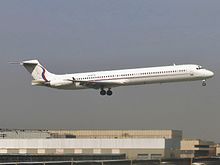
(76, 36)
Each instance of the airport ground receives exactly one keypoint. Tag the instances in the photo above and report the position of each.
(98, 160)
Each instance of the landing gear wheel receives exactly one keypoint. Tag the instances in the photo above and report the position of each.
(109, 92)
(102, 92)
(203, 83)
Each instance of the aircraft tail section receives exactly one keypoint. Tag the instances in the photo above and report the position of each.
(37, 71)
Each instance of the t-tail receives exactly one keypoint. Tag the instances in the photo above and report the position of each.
(39, 73)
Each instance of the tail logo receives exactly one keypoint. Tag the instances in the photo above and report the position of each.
(43, 74)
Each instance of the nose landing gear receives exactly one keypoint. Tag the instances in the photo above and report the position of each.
(203, 82)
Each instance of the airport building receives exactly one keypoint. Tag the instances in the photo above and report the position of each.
(24, 134)
(133, 148)
(191, 148)
(136, 144)
(218, 150)
(117, 134)
(141, 144)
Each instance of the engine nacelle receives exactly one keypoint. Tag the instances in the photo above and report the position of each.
(59, 83)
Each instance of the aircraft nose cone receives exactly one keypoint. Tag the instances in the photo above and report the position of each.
(210, 74)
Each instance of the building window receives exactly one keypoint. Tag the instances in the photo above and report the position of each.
(143, 156)
(115, 151)
(156, 156)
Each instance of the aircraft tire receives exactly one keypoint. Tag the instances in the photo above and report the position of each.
(102, 92)
(109, 92)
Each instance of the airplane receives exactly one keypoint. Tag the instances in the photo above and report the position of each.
(102, 80)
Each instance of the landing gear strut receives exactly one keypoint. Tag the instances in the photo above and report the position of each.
(203, 82)
(103, 92)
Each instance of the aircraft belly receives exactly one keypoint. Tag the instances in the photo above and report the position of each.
(71, 87)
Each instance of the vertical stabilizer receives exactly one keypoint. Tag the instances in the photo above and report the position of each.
(37, 71)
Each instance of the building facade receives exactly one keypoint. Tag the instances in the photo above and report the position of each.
(191, 148)
(218, 150)
(136, 144)
(24, 134)
(133, 148)
(117, 134)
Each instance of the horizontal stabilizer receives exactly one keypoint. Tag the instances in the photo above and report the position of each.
(15, 63)
(31, 62)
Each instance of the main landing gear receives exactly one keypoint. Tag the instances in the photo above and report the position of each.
(203, 82)
(108, 92)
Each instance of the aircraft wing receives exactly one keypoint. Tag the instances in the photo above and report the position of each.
(97, 84)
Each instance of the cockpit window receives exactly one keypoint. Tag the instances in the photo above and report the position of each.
(199, 67)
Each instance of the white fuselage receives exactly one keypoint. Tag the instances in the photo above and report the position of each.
(109, 79)
(137, 76)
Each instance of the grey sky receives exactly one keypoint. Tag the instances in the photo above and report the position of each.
(76, 36)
